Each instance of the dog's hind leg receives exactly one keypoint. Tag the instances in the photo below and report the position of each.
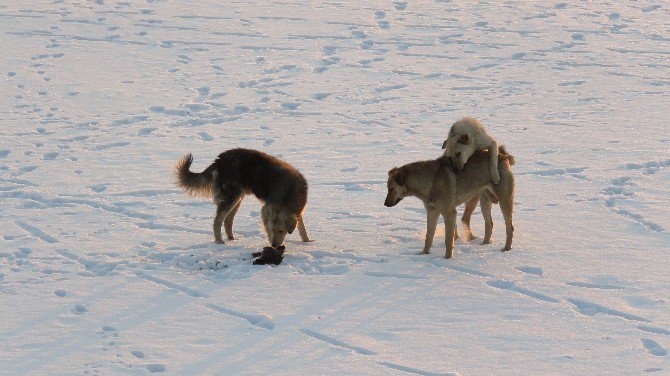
(228, 221)
(432, 215)
(485, 204)
(470, 206)
(302, 230)
(507, 208)
(223, 208)
(449, 228)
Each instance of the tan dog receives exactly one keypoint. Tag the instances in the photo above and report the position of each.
(441, 189)
(238, 172)
(466, 136)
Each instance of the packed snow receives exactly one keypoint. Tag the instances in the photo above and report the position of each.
(106, 267)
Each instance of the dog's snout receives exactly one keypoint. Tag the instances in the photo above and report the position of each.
(391, 202)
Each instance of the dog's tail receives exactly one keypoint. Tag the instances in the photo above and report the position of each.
(197, 184)
(507, 156)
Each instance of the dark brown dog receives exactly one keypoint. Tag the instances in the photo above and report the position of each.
(238, 172)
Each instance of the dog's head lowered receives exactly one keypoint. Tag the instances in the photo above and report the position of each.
(460, 148)
(396, 187)
(278, 222)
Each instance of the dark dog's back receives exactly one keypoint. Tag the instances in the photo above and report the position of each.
(268, 178)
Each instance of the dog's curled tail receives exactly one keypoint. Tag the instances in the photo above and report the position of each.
(197, 184)
(509, 157)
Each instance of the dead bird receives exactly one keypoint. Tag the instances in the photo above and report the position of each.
(269, 255)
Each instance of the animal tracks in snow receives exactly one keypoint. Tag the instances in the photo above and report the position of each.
(654, 348)
(625, 196)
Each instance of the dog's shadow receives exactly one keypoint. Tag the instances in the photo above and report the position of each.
(472, 247)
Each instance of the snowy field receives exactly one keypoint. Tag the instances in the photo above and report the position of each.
(107, 268)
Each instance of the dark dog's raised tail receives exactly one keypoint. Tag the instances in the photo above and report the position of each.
(197, 184)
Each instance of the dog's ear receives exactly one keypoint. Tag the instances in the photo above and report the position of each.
(393, 171)
(399, 176)
(463, 139)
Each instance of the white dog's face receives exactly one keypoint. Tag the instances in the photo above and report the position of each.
(460, 148)
(396, 190)
(278, 222)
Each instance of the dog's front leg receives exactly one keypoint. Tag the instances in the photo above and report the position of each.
(432, 216)
(449, 227)
(302, 230)
(493, 156)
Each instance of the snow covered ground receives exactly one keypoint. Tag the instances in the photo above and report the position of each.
(107, 268)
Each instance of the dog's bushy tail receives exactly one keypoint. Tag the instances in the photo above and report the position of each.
(509, 157)
(197, 184)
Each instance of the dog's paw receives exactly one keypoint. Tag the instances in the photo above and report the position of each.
(230, 237)
(219, 241)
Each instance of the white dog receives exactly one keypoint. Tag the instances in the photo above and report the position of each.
(466, 136)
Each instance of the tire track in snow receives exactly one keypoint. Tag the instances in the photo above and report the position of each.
(97, 268)
(600, 286)
(36, 232)
(592, 309)
(653, 329)
(336, 342)
(261, 321)
(392, 275)
(67, 202)
(172, 285)
(414, 371)
(582, 306)
(507, 285)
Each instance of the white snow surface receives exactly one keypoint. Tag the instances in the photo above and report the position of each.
(106, 267)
